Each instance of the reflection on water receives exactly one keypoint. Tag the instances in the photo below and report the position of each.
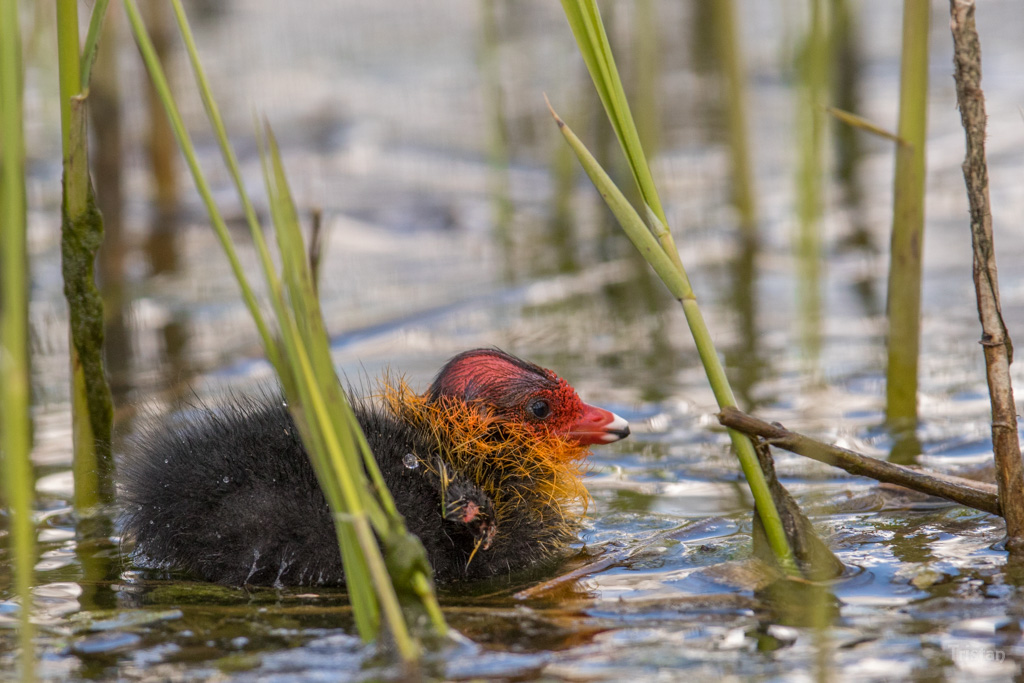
(457, 218)
(812, 69)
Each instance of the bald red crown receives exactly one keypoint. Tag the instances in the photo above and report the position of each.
(521, 392)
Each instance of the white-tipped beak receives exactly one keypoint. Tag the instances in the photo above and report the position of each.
(597, 426)
(617, 429)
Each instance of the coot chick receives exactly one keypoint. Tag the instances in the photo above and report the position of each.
(485, 467)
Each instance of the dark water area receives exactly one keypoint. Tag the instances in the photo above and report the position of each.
(455, 217)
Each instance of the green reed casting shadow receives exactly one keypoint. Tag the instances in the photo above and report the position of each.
(381, 559)
(653, 239)
(15, 439)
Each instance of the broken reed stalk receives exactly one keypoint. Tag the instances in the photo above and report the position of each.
(904, 292)
(978, 495)
(861, 123)
(15, 427)
(81, 236)
(995, 339)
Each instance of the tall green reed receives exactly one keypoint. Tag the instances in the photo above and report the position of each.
(652, 238)
(730, 57)
(812, 67)
(744, 358)
(498, 158)
(382, 559)
(160, 145)
(646, 73)
(904, 297)
(81, 236)
(15, 428)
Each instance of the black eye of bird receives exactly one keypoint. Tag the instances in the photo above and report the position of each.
(539, 408)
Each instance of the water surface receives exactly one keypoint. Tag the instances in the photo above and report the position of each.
(455, 218)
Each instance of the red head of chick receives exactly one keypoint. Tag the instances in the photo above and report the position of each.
(518, 392)
(485, 467)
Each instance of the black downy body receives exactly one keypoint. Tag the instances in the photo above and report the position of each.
(228, 495)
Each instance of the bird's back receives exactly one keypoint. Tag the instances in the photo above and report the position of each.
(228, 495)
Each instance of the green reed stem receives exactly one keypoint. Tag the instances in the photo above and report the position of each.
(333, 453)
(366, 619)
(70, 73)
(92, 40)
(647, 55)
(497, 127)
(81, 236)
(730, 55)
(678, 284)
(813, 65)
(585, 21)
(15, 428)
(365, 516)
(904, 297)
(256, 231)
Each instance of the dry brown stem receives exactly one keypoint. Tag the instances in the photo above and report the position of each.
(977, 495)
(994, 339)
